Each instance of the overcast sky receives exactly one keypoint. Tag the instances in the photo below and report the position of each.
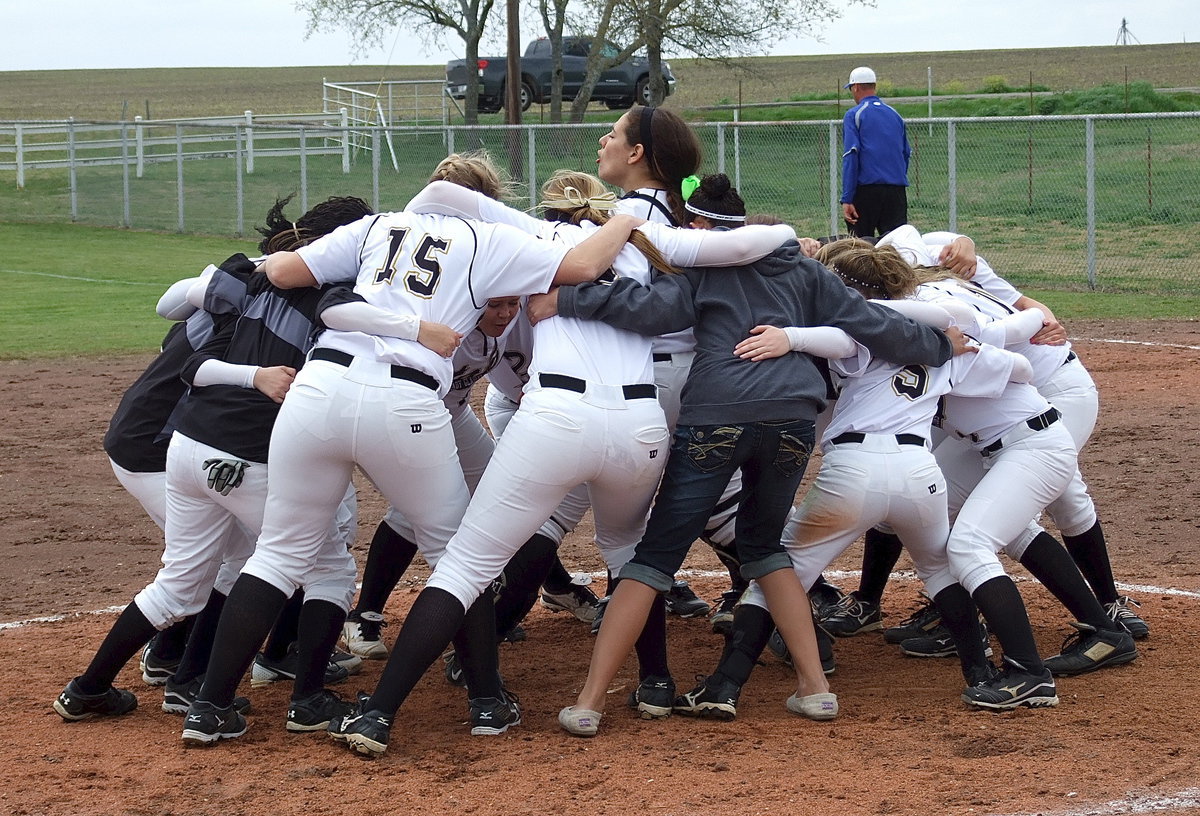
(183, 33)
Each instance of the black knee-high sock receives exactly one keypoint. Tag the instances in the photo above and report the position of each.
(1004, 611)
(651, 644)
(388, 558)
(130, 633)
(1090, 552)
(170, 642)
(434, 618)
(320, 624)
(610, 583)
(199, 644)
(287, 625)
(250, 611)
(961, 618)
(881, 551)
(558, 580)
(523, 576)
(727, 555)
(1052, 565)
(477, 648)
(752, 627)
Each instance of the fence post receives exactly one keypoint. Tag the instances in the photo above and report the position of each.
(1090, 138)
(126, 221)
(952, 173)
(72, 180)
(449, 140)
(303, 171)
(139, 145)
(250, 142)
(737, 149)
(834, 192)
(376, 138)
(721, 146)
(20, 137)
(345, 118)
(531, 160)
(179, 175)
(237, 165)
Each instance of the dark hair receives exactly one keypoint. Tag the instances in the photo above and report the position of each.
(280, 234)
(672, 151)
(716, 196)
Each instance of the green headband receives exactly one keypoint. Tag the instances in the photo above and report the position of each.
(689, 185)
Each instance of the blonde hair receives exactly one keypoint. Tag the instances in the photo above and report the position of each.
(878, 272)
(474, 170)
(573, 197)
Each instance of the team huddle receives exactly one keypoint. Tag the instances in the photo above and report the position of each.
(661, 358)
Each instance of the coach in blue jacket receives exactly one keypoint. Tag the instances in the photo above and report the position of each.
(875, 164)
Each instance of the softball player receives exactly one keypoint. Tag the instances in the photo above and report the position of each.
(373, 401)
(588, 416)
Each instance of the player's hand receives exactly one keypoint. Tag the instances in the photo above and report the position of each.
(542, 306)
(224, 474)
(274, 381)
(1052, 333)
(439, 338)
(959, 257)
(809, 246)
(961, 343)
(763, 343)
(850, 213)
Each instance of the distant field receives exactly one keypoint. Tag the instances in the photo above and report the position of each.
(179, 92)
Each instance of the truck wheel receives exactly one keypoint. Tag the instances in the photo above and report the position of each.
(642, 94)
(526, 96)
(618, 104)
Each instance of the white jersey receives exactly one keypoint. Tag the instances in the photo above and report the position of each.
(475, 357)
(510, 376)
(397, 261)
(657, 212)
(884, 398)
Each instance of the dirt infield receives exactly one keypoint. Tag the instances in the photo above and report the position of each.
(1125, 740)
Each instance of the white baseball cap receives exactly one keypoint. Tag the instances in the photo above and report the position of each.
(861, 76)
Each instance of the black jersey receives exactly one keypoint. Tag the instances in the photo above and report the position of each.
(141, 427)
(277, 328)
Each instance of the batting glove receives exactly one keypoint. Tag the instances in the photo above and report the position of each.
(224, 474)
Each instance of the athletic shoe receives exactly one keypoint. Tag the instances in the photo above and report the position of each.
(579, 722)
(653, 697)
(715, 698)
(683, 602)
(178, 697)
(352, 663)
(1012, 687)
(362, 636)
(852, 616)
(825, 597)
(824, 649)
(1089, 649)
(820, 706)
(266, 671)
(315, 712)
(601, 605)
(514, 635)
(722, 617)
(491, 716)
(366, 732)
(205, 723)
(578, 600)
(1119, 611)
(938, 643)
(73, 705)
(920, 623)
(155, 670)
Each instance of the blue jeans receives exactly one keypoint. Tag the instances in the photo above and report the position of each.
(772, 456)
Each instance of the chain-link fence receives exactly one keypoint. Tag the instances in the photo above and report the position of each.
(1061, 202)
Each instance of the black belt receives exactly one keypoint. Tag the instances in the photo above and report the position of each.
(399, 372)
(1038, 423)
(1071, 357)
(658, 357)
(855, 436)
(639, 391)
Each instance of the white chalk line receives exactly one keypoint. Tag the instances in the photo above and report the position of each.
(834, 575)
(1131, 803)
(79, 278)
(1135, 343)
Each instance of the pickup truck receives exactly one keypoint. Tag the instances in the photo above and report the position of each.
(618, 87)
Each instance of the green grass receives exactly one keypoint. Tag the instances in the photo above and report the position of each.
(91, 291)
(78, 290)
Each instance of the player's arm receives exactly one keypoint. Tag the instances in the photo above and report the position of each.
(288, 270)
(343, 309)
(593, 256)
(665, 305)
(849, 166)
(766, 342)
(207, 367)
(447, 198)
(717, 248)
(1052, 332)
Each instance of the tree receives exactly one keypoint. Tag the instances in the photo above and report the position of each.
(371, 19)
(554, 17)
(600, 58)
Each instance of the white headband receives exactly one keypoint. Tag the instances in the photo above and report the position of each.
(714, 216)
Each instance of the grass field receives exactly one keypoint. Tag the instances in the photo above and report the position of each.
(77, 290)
